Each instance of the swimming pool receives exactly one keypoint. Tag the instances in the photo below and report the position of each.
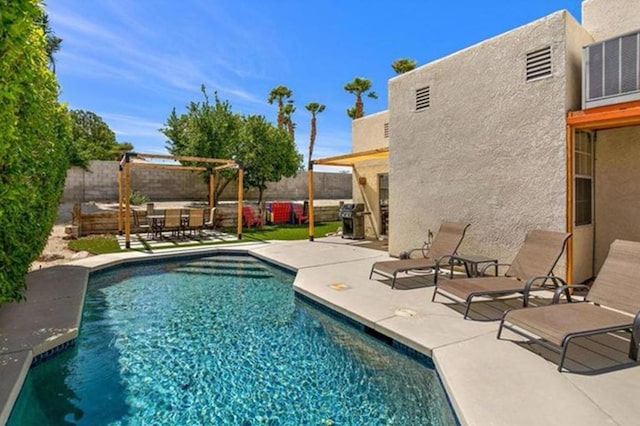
(222, 340)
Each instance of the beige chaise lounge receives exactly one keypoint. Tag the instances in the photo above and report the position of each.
(444, 245)
(614, 305)
(532, 269)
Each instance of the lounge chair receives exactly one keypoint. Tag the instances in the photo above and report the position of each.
(612, 304)
(531, 270)
(444, 245)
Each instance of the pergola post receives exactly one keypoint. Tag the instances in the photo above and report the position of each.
(120, 224)
(569, 226)
(310, 212)
(211, 190)
(240, 199)
(127, 201)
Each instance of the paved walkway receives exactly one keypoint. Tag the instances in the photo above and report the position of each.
(489, 381)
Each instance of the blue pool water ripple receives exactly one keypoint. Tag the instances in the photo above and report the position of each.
(159, 345)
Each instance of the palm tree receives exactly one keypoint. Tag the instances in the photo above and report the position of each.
(402, 65)
(280, 93)
(358, 87)
(314, 108)
(287, 121)
(53, 42)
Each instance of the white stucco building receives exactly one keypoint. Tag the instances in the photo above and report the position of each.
(497, 135)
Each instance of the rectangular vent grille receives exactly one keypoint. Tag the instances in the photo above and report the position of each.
(423, 98)
(386, 130)
(611, 71)
(539, 63)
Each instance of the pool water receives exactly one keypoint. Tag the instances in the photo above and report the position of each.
(222, 340)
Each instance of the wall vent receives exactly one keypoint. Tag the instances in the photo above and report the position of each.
(539, 64)
(611, 71)
(423, 98)
(386, 130)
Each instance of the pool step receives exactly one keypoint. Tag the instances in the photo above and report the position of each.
(227, 266)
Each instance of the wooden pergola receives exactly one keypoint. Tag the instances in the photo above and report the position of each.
(599, 118)
(344, 160)
(124, 182)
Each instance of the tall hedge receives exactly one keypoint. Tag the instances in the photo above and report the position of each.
(34, 135)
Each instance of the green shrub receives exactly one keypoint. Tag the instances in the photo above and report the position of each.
(35, 131)
(137, 198)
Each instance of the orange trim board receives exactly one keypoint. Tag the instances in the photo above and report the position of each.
(610, 116)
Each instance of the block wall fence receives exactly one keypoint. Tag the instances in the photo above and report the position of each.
(100, 183)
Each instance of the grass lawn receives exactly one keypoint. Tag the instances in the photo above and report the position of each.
(96, 244)
(288, 232)
(102, 244)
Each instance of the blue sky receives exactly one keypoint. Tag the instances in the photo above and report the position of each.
(131, 62)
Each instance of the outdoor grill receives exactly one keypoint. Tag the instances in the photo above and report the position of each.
(352, 216)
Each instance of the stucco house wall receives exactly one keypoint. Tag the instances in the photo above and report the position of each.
(490, 149)
(617, 195)
(368, 133)
(609, 18)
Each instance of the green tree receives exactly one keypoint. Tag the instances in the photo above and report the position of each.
(267, 153)
(35, 131)
(280, 93)
(93, 140)
(205, 130)
(402, 65)
(314, 108)
(213, 130)
(53, 42)
(359, 86)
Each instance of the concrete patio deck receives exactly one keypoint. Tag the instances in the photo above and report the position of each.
(489, 381)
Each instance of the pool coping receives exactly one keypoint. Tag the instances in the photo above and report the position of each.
(434, 330)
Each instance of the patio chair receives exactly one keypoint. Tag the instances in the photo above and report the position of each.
(144, 227)
(211, 223)
(173, 221)
(195, 221)
(530, 271)
(612, 304)
(250, 218)
(298, 214)
(444, 245)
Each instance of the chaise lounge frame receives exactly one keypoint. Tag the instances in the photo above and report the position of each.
(612, 304)
(444, 245)
(531, 270)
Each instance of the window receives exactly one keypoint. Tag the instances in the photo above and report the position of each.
(423, 98)
(386, 130)
(583, 172)
(539, 63)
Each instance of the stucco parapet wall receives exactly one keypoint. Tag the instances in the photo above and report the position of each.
(368, 132)
(560, 15)
(489, 150)
(605, 19)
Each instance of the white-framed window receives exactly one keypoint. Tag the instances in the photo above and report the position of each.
(583, 178)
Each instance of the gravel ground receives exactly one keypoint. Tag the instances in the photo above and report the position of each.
(56, 251)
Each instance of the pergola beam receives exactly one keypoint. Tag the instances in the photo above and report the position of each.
(124, 183)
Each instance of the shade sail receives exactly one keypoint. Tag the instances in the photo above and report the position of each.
(353, 158)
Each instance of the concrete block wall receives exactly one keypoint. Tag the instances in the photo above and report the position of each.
(100, 183)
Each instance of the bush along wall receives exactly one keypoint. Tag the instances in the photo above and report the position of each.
(35, 131)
